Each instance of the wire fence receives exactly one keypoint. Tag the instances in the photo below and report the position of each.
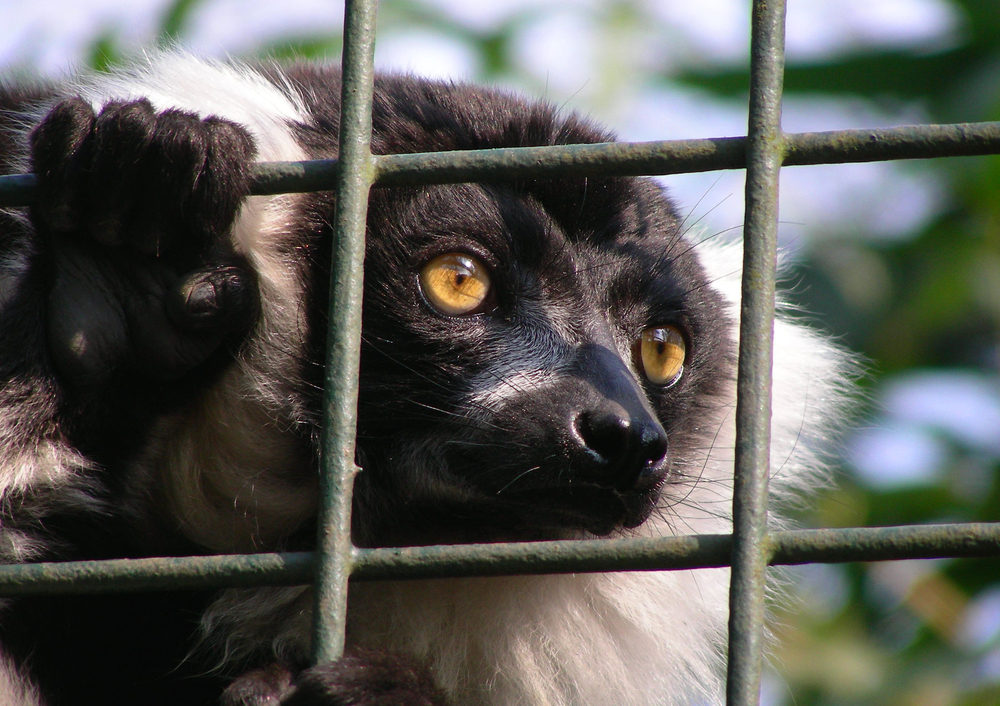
(748, 550)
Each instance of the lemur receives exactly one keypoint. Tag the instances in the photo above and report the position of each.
(542, 358)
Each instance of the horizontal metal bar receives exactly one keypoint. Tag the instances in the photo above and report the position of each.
(906, 142)
(686, 156)
(631, 554)
(156, 573)
(834, 546)
(603, 159)
(568, 556)
(288, 177)
(624, 158)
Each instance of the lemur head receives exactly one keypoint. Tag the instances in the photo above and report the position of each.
(539, 355)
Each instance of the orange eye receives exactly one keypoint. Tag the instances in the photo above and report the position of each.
(456, 284)
(662, 352)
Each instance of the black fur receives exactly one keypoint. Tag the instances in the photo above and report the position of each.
(127, 250)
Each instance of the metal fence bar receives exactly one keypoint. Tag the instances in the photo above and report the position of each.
(660, 157)
(753, 399)
(632, 554)
(344, 334)
(687, 156)
(622, 159)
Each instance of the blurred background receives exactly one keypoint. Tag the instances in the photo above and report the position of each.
(900, 261)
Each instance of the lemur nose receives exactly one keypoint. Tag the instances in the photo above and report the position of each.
(621, 449)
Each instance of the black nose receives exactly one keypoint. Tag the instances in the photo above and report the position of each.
(619, 450)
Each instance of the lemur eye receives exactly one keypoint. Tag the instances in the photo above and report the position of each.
(662, 352)
(456, 284)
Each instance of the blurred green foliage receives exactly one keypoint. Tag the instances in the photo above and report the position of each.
(937, 306)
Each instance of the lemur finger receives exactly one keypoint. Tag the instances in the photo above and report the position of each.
(123, 134)
(60, 151)
(195, 176)
(171, 169)
(229, 156)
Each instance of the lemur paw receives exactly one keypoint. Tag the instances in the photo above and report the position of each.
(261, 687)
(366, 678)
(165, 183)
(133, 211)
(360, 678)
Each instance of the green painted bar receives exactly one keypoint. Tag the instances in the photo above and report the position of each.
(156, 573)
(906, 142)
(636, 158)
(687, 552)
(344, 337)
(885, 543)
(647, 158)
(765, 151)
(629, 554)
(685, 156)
(287, 177)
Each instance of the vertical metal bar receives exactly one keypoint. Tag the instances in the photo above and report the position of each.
(344, 333)
(753, 408)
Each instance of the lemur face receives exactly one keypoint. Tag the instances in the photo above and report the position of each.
(530, 371)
